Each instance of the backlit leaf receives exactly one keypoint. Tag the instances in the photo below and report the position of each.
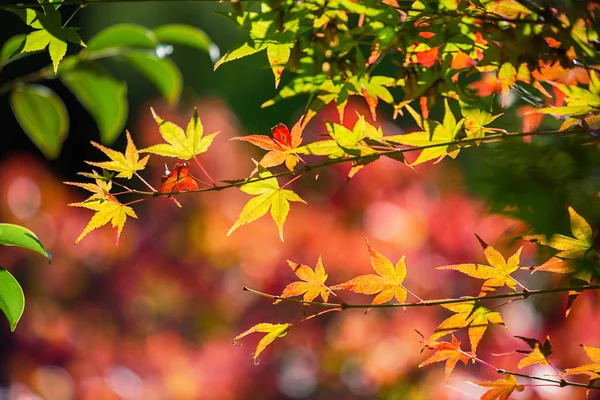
(497, 274)
(273, 331)
(180, 144)
(268, 196)
(126, 164)
(500, 389)
(15, 235)
(449, 352)
(312, 282)
(593, 370)
(387, 284)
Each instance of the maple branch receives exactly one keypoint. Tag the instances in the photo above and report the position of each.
(273, 297)
(524, 294)
(308, 168)
(427, 303)
(561, 382)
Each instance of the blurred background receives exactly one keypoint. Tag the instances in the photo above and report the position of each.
(155, 317)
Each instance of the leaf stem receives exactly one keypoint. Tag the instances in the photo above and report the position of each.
(205, 172)
(273, 297)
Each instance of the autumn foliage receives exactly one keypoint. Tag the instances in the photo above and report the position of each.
(456, 74)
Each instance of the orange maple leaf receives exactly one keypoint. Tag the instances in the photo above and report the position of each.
(281, 145)
(500, 389)
(312, 284)
(496, 275)
(178, 180)
(387, 284)
(428, 57)
(449, 352)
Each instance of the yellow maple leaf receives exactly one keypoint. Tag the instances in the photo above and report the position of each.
(109, 210)
(126, 164)
(593, 370)
(471, 314)
(500, 389)
(312, 284)
(180, 144)
(570, 248)
(273, 331)
(496, 275)
(387, 284)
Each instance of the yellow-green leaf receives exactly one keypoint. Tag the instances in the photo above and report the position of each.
(183, 145)
(126, 164)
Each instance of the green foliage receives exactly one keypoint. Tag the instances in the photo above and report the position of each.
(12, 300)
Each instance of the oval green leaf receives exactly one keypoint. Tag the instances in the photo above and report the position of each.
(102, 95)
(123, 35)
(12, 300)
(162, 72)
(43, 117)
(184, 35)
(15, 235)
(11, 47)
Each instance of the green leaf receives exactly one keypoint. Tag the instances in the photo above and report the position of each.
(102, 95)
(50, 33)
(11, 47)
(124, 35)
(162, 72)
(185, 35)
(15, 235)
(12, 300)
(42, 115)
(246, 49)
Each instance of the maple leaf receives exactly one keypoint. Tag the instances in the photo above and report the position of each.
(539, 352)
(471, 314)
(593, 370)
(500, 389)
(432, 133)
(476, 121)
(570, 248)
(50, 33)
(312, 284)
(268, 196)
(182, 145)
(109, 210)
(496, 275)
(100, 190)
(273, 331)
(178, 180)
(387, 284)
(281, 145)
(126, 164)
(449, 352)
(345, 142)
(581, 102)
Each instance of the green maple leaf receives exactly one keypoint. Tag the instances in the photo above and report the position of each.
(433, 133)
(183, 145)
(570, 248)
(51, 34)
(268, 196)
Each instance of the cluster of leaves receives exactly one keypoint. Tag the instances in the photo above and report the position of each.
(470, 313)
(464, 51)
(40, 111)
